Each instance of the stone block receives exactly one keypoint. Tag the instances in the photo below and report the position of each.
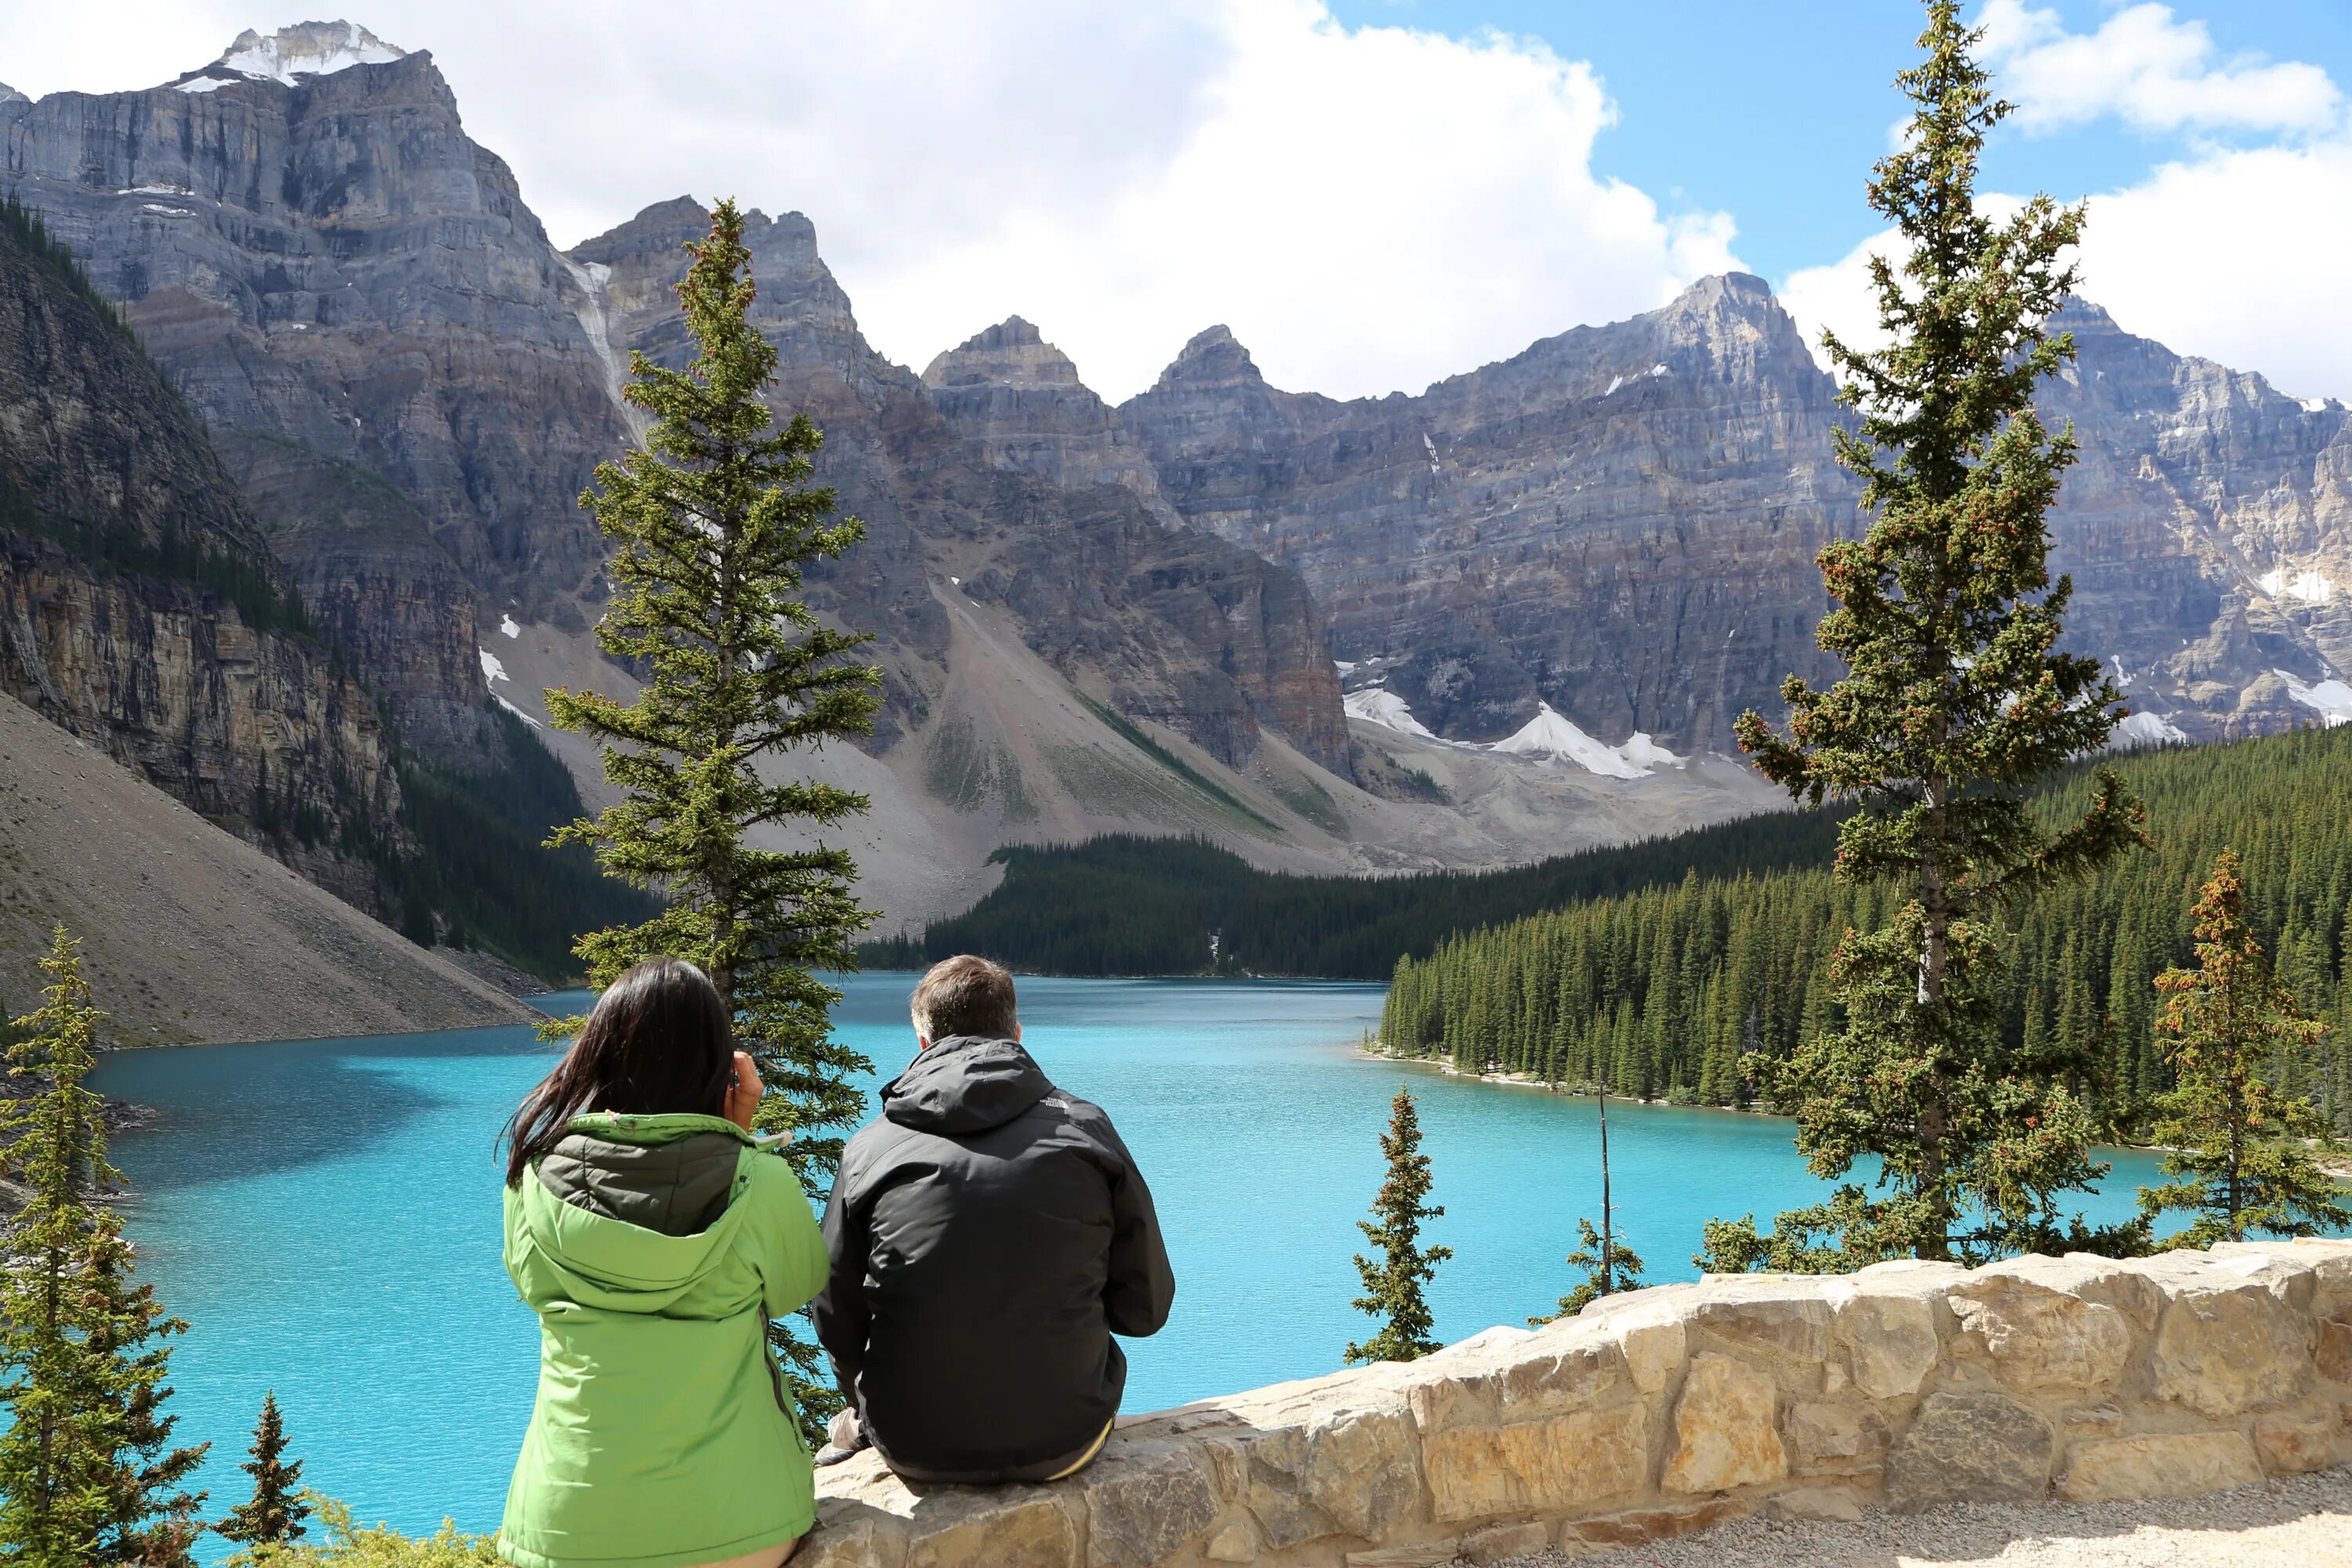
(1794, 1327)
(1576, 1375)
(2041, 1339)
(2334, 1357)
(2225, 1349)
(1501, 1542)
(1638, 1525)
(1016, 1528)
(2291, 1445)
(1146, 1502)
(1890, 1343)
(1236, 1540)
(1824, 1431)
(1654, 1347)
(1348, 1472)
(1432, 1555)
(853, 1535)
(1551, 1464)
(1724, 1431)
(1976, 1446)
(1814, 1502)
(2172, 1464)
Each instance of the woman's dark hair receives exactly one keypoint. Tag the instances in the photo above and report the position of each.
(659, 1040)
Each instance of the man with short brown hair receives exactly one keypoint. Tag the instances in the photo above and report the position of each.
(989, 1234)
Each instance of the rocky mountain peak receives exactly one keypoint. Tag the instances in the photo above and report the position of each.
(1010, 353)
(10, 95)
(1214, 358)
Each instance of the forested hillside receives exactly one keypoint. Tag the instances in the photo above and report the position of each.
(1126, 905)
(1666, 986)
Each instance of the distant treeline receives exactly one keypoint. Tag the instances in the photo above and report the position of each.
(1127, 905)
(1666, 987)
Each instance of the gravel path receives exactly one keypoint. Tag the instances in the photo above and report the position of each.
(2305, 1522)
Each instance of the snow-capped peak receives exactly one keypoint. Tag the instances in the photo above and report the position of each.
(2331, 698)
(307, 48)
(1384, 708)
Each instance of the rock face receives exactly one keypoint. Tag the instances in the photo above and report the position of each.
(306, 238)
(1658, 1413)
(139, 606)
(1621, 521)
(1168, 624)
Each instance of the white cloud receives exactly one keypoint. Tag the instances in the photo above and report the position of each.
(2233, 254)
(2149, 68)
(1367, 209)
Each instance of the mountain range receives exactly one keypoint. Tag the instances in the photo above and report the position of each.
(1513, 614)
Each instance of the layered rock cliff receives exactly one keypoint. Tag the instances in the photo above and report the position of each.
(139, 606)
(1620, 522)
(305, 236)
(1167, 625)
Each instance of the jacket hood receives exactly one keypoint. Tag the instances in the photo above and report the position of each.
(965, 1084)
(633, 1210)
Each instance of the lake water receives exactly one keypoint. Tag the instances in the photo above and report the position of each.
(325, 1215)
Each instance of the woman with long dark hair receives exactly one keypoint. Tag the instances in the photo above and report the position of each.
(656, 1238)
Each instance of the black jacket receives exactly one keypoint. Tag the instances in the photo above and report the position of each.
(989, 1234)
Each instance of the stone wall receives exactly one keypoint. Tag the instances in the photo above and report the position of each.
(1904, 1385)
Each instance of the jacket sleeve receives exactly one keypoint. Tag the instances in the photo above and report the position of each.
(1143, 1287)
(839, 1310)
(795, 1266)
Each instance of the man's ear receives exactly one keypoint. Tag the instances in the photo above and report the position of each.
(1016, 1031)
(921, 1045)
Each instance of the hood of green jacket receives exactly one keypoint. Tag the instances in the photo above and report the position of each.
(633, 1211)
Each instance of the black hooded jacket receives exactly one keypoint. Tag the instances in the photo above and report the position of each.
(989, 1234)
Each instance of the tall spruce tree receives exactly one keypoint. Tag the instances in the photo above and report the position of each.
(88, 1472)
(712, 525)
(274, 1515)
(1956, 697)
(2237, 1128)
(1393, 1280)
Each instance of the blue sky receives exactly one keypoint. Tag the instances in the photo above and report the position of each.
(1774, 113)
(1372, 194)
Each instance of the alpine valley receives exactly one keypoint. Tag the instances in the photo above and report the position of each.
(1512, 616)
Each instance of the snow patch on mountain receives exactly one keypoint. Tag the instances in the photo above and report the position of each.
(507, 626)
(2308, 587)
(308, 48)
(491, 668)
(1385, 708)
(1551, 735)
(2146, 730)
(2332, 700)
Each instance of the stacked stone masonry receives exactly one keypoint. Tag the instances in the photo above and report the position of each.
(1665, 1410)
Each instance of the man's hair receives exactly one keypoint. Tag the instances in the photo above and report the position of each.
(964, 996)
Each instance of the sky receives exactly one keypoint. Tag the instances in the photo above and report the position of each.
(1373, 193)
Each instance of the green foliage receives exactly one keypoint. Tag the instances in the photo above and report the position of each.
(1128, 731)
(1955, 694)
(712, 525)
(2237, 1127)
(274, 1512)
(349, 1545)
(1606, 1272)
(87, 1474)
(483, 876)
(1392, 1294)
(1666, 992)
(1129, 905)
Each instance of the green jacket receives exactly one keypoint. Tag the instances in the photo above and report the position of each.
(654, 1250)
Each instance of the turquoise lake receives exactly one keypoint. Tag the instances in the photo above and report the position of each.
(325, 1214)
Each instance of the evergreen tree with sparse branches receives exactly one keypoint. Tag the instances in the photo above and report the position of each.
(88, 1472)
(274, 1515)
(1608, 1268)
(712, 525)
(2239, 1134)
(1392, 1294)
(1956, 698)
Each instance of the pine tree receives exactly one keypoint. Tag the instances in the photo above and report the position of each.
(87, 1469)
(1392, 1284)
(712, 525)
(277, 1509)
(1608, 1267)
(2238, 1140)
(1955, 697)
